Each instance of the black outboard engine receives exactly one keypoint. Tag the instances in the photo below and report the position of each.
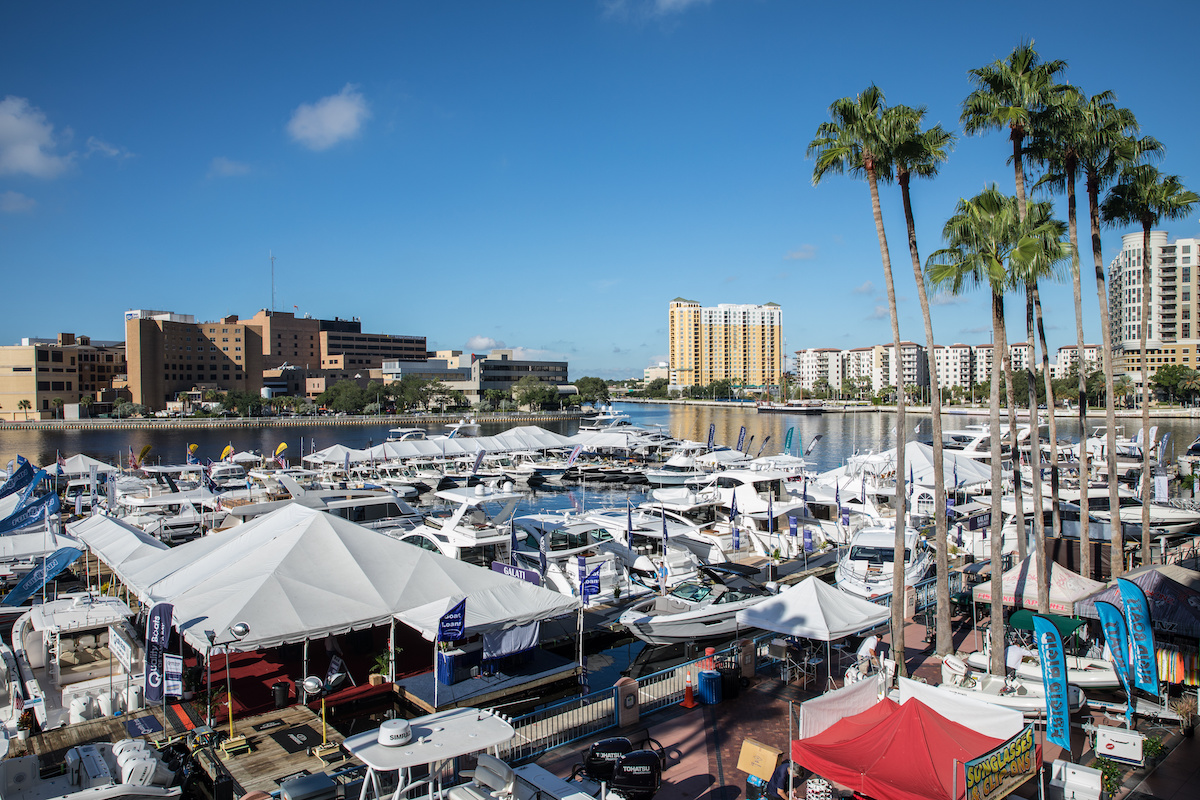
(602, 758)
(637, 775)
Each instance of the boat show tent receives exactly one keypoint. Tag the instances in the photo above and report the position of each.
(116, 543)
(901, 752)
(33, 544)
(297, 574)
(80, 465)
(1174, 606)
(919, 457)
(1019, 588)
(506, 605)
(812, 609)
(529, 437)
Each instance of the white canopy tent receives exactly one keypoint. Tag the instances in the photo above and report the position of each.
(919, 457)
(812, 609)
(116, 543)
(25, 546)
(505, 605)
(1019, 588)
(80, 465)
(298, 574)
(529, 437)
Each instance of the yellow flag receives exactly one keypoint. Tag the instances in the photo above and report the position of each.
(281, 448)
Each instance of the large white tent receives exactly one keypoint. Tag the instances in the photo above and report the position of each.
(80, 465)
(918, 459)
(298, 574)
(1019, 588)
(812, 609)
(116, 543)
(529, 437)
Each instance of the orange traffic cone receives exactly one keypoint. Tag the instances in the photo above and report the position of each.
(689, 699)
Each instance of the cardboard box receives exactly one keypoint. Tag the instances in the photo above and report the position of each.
(758, 759)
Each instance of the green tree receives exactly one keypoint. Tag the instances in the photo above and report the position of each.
(1170, 378)
(56, 403)
(856, 139)
(986, 239)
(86, 403)
(1145, 196)
(533, 393)
(592, 390)
(657, 388)
(345, 396)
(25, 405)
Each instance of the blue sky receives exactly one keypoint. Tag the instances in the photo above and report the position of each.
(540, 175)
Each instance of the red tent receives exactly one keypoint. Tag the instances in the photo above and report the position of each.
(894, 752)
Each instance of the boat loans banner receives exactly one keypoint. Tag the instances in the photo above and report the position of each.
(1113, 625)
(453, 624)
(1054, 680)
(996, 774)
(1141, 636)
(158, 636)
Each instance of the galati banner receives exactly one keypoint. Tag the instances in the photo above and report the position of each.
(1000, 772)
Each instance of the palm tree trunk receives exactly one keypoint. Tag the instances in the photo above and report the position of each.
(1056, 526)
(1110, 416)
(1085, 550)
(1001, 342)
(944, 640)
(898, 587)
(1035, 453)
(1147, 257)
(996, 664)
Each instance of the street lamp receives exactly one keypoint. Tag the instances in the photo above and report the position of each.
(238, 631)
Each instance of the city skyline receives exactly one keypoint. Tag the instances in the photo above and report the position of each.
(537, 176)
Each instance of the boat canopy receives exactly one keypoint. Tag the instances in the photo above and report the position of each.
(812, 609)
(529, 437)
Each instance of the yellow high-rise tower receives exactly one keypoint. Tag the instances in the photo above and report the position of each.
(739, 343)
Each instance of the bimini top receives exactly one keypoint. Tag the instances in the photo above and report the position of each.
(436, 737)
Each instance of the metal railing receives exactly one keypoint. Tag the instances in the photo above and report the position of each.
(926, 591)
(586, 715)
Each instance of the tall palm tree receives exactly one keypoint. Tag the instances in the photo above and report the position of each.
(1008, 94)
(1108, 143)
(1144, 195)
(25, 405)
(1059, 133)
(987, 246)
(921, 153)
(855, 139)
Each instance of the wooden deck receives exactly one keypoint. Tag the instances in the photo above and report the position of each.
(267, 761)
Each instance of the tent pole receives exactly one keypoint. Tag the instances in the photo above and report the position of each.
(392, 652)
(302, 689)
(208, 664)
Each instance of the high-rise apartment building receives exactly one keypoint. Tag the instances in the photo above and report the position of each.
(740, 343)
(1173, 327)
(820, 364)
(954, 365)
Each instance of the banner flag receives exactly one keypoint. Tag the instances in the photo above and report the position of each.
(512, 537)
(453, 624)
(1141, 636)
(18, 480)
(478, 461)
(37, 577)
(808, 540)
(792, 526)
(712, 435)
(741, 438)
(43, 506)
(575, 451)
(158, 637)
(666, 536)
(813, 443)
(629, 523)
(591, 585)
(27, 492)
(787, 441)
(1054, 681)
(737, 542)
(581, 564)
(763, 446)
(1113, 625)
(542, 564)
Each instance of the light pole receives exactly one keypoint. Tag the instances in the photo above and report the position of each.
(238, 631)
(312, 685)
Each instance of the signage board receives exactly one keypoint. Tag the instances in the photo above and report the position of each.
(527, 575)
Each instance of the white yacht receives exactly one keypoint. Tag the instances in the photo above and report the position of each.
(1164, 519)
(675, 472)
(575, 547)
(79, 658)
(406, 434)
(697, 610)
(126, 770)
(866, 568)
(476, 530)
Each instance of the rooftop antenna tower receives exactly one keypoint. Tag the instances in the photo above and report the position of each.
(271, 254)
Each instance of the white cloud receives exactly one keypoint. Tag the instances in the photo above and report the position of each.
(880, 312)
(332, 119)
(27, 141)
(15, 203)
(479, 343)
(865, 288)
(648, 8)
(98, 147)
(804, 252)
(222, 167)
(946, 299)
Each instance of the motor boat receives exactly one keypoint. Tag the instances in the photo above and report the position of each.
(701, 609)
(126, 770)
(1020, 694)
(477, 530)
(675, 472)
(1164, 519)
(1087, 673)
(79, 658)
(575, 547)
(866, 568)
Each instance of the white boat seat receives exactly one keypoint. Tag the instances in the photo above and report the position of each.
(492, 779)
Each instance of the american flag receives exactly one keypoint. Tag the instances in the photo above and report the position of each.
(132, 460)
(281, 461)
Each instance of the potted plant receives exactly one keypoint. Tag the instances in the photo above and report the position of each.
(25, 724)
(1185, 707)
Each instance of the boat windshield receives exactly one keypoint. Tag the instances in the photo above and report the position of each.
(876, 555)
(692, 592)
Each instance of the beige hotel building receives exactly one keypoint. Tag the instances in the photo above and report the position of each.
(740, 343)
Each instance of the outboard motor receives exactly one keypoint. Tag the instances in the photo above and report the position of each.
(601, 760)
(637, 776)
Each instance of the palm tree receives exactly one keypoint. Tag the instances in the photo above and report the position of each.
(856, 139)
(1060, 131)
(1143, 195)
(1007, 95)
(921, 153)
(987, 246)
(1108, 143)
(56, 403)
(25, 405)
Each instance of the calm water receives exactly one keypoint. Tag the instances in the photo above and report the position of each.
(841, 434)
